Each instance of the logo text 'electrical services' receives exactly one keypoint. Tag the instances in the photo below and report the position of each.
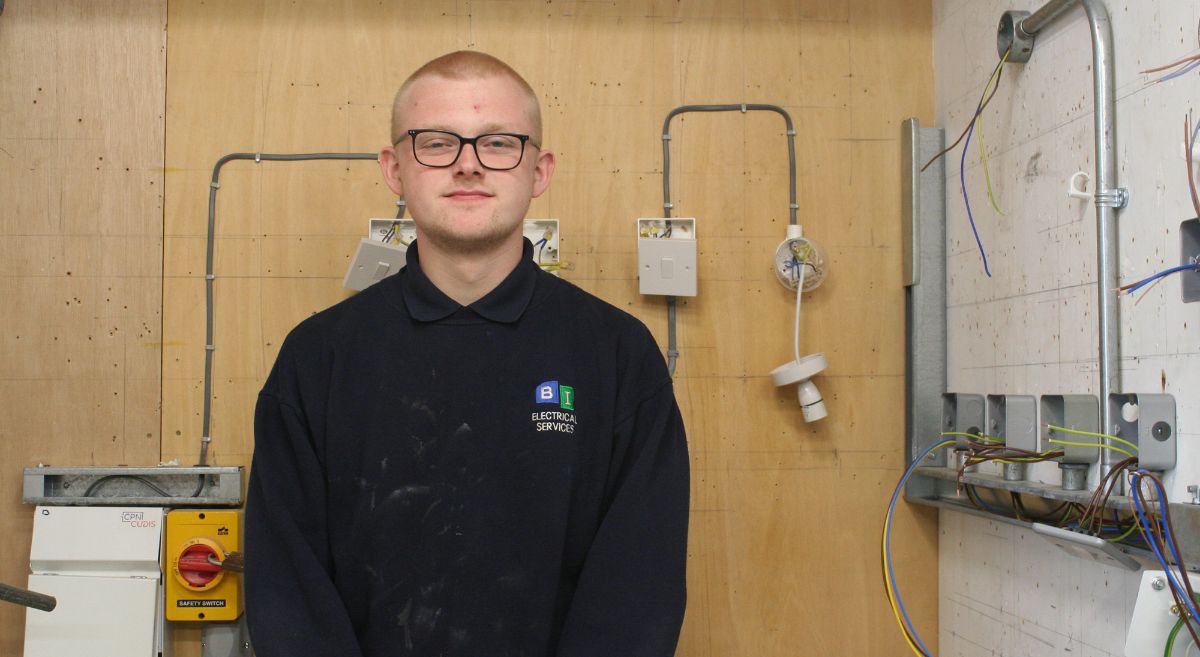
(551, 392)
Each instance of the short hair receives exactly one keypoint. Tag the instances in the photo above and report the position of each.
(467, 65)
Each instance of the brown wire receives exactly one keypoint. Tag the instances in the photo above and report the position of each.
(970, 123)
(1156, 530)
(1190, 58)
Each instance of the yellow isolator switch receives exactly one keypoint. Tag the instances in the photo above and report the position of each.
(200, 586)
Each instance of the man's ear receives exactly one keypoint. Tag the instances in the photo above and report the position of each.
(389, 165)
(543, 170)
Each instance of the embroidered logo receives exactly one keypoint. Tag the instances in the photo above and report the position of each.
(552, 392)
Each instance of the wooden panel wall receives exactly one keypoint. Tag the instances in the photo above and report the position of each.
(82, 91)
(783, 548)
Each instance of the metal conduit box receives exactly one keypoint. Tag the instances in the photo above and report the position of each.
(1148, 421)
(1013, 418)
(962, 413)
(1079, 412)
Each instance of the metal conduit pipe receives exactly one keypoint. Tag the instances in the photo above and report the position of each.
(209, 277)
(672, 349)
(1019, 29)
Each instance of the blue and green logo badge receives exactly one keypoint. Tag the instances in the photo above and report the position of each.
(550, 392)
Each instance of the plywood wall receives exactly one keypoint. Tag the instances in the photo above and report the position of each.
(785, 517)
(82, 91)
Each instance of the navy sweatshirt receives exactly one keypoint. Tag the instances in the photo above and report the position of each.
(505, 479)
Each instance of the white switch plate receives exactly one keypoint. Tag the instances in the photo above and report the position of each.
(667, 256)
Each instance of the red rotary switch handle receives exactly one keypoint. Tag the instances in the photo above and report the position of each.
(195, 568)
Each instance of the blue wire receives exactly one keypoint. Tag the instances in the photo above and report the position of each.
(1162, 561)
(1183, 71)
(962, 179)
(887, 543)
(1166, 272)
(1170, 541)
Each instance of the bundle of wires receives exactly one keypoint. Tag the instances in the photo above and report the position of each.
(989, 91)
(889, 581)
(1186, 65)
(1159, 533)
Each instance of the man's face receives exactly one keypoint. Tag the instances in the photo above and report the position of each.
(465, 208)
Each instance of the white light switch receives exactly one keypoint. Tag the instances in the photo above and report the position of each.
(667, 256)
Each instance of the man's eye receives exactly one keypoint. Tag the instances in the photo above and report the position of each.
(435, 144)
(500, 143)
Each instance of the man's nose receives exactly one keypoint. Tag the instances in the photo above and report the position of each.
(468, 161)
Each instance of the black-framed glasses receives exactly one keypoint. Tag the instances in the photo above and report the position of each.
(498, 151)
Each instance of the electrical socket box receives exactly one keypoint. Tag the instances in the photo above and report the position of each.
(667, 256)
(1013, 419)
(1189, 240)
(962, 413)
(1147, 421)
(196, 588)
(1079, 412)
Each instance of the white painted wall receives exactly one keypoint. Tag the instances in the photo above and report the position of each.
(1031, 328)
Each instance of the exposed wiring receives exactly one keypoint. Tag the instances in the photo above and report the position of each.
(1189, 142)
(983, 159)
(1130, 288)
(1189, 58)
(1181, 72)
(1080, 432)
(962, 164)
(1071, 443)
(970, 123)
(1158, 532)
(893, 592)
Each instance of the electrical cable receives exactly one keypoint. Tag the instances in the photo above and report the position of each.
(100, 483)
(1079, 432)
(799, 291)
(1189, 58)
(966, 127)
(1189, 141)
(1130, 288)
(962, 171)
(893, 592)
(1181, 72)
(210, 277)
(1071, 443)
(983, 159)
(1164, 530)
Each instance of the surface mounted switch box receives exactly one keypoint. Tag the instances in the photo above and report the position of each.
(197, 588)
(667, 257)
(1079, 412)
(1013, 418)
(962, 413)
(1147, 421)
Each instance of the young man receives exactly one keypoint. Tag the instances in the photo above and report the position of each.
(471, 458)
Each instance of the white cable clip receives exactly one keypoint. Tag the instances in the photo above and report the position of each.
(794, 206)
(1077, 188)
(666, 137)
(209, 347)
(210, 277)
(791, 133)
(257, 158)
(668, 206)
(215, 185)
(743, 108)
